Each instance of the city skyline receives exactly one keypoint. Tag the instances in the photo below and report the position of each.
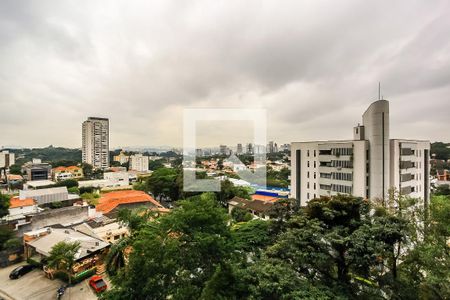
(70, 61)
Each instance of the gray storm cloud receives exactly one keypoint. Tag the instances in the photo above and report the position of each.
(315, 66)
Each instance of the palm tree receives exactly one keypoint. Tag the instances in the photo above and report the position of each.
(116, 258)
(62, 257)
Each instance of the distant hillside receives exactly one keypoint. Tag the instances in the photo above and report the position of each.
(49, 154)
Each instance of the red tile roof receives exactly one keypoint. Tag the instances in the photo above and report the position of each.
(111, 200)
(16, 202)
(265, 198)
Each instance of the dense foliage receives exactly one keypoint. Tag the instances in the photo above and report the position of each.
(336, 248)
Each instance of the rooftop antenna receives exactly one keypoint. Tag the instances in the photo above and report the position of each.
(379, 90)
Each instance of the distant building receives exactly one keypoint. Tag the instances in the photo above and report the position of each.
(198, 152)
(111, 180)
(223, 150)
(272, 147)
(249, 148)
(139, 162)
(122, 158)
(239, 149)
(7, 159)
(367, 166)
(37, 170)
(95, 142)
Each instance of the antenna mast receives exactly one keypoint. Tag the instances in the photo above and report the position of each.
(379, 90)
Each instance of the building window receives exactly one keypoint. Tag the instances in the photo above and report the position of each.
(307, 196)
(314, 153)
(307, 174)
(314, 175)
(314, 163)
(315, 189)
(307, 163)
(307, 153)
(307, 185)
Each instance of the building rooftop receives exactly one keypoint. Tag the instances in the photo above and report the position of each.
(39, 183)
(44, 244)
(110, 201)
(42, 192)
(254, 205)
(15, 202)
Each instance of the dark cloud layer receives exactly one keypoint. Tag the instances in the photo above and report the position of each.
(315, 66)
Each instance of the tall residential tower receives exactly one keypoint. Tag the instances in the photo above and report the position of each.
(95, 148)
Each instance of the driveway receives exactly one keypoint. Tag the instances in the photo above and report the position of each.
(36, 286)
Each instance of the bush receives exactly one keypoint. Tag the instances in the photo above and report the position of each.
(74, 190)
(86, 189)
(69, 183)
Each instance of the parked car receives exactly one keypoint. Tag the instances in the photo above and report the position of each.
(20, 271)
(98, 284)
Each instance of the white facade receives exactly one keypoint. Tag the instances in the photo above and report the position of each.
(139, 162)
(95, 144)
(410, 168)
(7, 159)
(367, 166)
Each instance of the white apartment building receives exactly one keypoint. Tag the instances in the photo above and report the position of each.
(139, 162)
(366, 166)
(95, 144)
(7, 159)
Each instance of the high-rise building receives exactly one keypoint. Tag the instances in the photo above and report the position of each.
(367, 166)
(95, 148)
(223, 150)
(239, 149)
(249, 148)
(139, 162)
(7, 159)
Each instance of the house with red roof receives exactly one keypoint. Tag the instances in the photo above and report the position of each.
(19, 208)
(110, 203)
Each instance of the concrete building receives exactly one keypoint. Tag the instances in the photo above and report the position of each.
(239, 149)
(366, 166)
(47, 196)
(95, 142)
(223, 150)
(139, 162)
(37, 170)
(7, 159)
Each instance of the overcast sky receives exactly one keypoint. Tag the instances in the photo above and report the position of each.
(314, 65)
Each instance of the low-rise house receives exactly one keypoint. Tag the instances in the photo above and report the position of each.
(14, 179)
(104, 228)
(39, 243)
(110, 203)
(259, 209)
(20, 208)
(38, 184)
(63, 173)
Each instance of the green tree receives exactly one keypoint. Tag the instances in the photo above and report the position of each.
(87, 170)
(15, 169)
(4, 205)
(62, 257)
(177, 253)
(239, 214)
(163, 183)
